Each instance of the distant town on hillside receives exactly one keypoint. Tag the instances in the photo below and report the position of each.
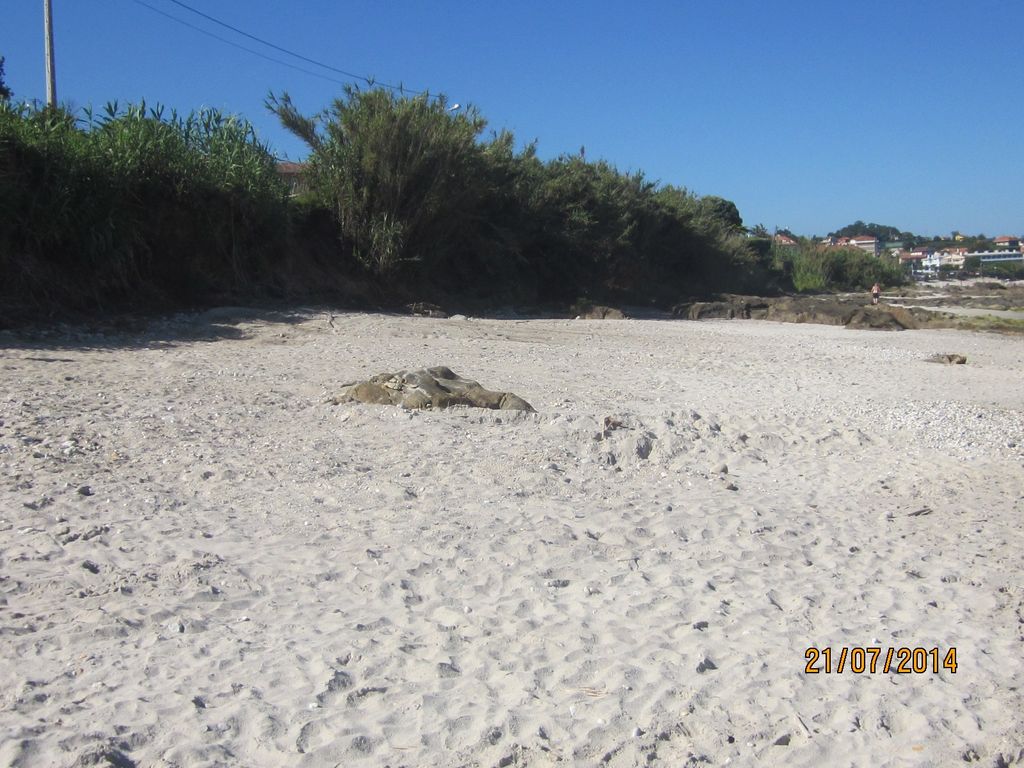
(918, 254)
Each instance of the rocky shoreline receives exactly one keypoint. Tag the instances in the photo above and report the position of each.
(921, 306)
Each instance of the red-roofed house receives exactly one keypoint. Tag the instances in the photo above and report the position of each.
(914, 260)
(291, 174)
(1006, 242)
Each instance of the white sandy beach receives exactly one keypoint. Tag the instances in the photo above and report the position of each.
(202, 563)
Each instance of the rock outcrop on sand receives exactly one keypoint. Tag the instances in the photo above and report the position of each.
(425, 309)
(828, 310)
(437, 387)
(598, 312)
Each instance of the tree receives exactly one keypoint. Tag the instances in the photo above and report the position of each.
(881, 231)
(5, 92)
(402, 175)
(722, 210)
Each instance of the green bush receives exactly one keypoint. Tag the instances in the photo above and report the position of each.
(815, 268)
(424, 202)
(1005, 270)
(402, 175)
(811, 270)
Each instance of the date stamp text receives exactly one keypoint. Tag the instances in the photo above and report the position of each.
(874, 659)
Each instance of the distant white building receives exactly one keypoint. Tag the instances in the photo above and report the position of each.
(867, 243)
(932, 261)
(996, 257)
(952, 257)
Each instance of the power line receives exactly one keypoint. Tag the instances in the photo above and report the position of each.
(267, 43)
(236, 45)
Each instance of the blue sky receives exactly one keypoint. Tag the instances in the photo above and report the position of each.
(808, 114)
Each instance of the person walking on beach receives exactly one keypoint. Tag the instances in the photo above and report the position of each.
(876, 291)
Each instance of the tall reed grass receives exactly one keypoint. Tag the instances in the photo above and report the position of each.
(134, 205)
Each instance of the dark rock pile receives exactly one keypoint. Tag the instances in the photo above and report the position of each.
(825, 310)
(598, 312)
(425, 309)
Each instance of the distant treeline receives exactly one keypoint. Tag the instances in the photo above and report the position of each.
(405, 199)
(883, 232)
(887, 234)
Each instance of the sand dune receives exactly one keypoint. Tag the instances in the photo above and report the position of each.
(203, 562)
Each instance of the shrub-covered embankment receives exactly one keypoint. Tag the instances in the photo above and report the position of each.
(403, 198)
(134, 208)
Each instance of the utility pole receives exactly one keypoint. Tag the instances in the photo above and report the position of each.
(51, 74)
